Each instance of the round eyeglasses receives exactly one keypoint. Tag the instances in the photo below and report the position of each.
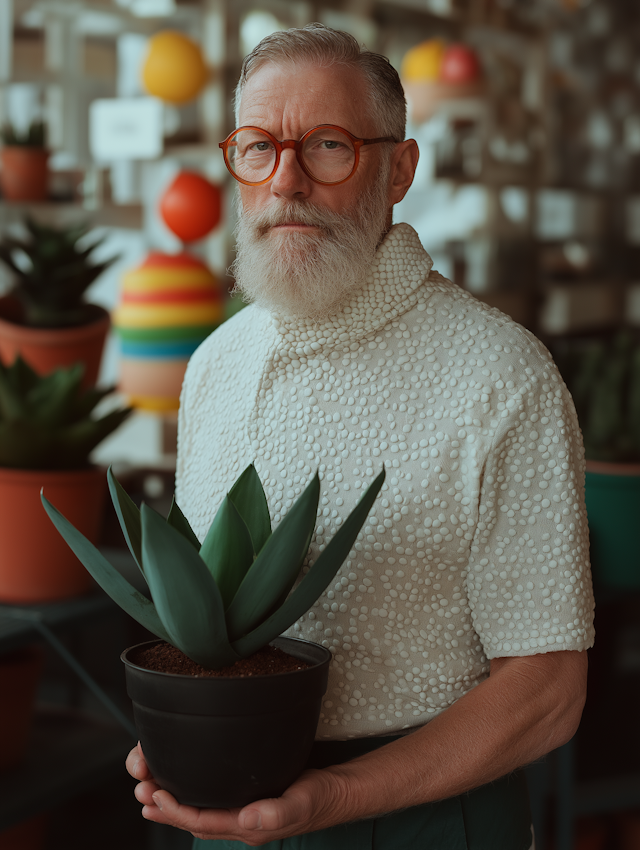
(327, 154)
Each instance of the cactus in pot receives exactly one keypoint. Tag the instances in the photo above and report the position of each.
(219, 741)
(52, 268)
(45, 317)
(48, 428)
(47, 422)
(225, 599)
(24, 172)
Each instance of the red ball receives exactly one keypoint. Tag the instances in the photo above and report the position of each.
(460, 64)
(192, 206)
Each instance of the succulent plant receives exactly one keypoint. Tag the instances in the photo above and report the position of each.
(34, 137)
(53, 268)
(46, 421)
(603, 376)
(225, 599)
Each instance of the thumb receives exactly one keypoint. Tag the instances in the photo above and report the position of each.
(274, 814)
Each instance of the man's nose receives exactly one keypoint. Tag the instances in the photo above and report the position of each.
(290, 181)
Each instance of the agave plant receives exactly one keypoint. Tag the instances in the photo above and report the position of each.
(225, 599)
(53, 267)
(47, 421)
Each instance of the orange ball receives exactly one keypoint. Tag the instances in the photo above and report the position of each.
(422, 62)
(174, 69)
(191, 207)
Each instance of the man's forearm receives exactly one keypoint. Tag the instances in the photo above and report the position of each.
(527, 707)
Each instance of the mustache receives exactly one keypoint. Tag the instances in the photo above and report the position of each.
(293, 212)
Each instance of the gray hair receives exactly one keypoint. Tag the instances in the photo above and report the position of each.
(325, 47)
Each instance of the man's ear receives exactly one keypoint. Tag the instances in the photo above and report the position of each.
(403, 169)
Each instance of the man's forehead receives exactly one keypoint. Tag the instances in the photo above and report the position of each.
(304, 93)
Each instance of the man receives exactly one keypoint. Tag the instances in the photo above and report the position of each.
(459, 628)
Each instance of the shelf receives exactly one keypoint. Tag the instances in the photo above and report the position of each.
(19, 623)
(124, 216)
(69, 752)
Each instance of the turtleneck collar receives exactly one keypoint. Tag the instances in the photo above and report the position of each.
(399, 268)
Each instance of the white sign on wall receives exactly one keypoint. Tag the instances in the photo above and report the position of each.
(125, 128)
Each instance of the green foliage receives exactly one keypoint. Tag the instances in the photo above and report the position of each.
(603, 376)
(46, 421)
(34, 137)
(231, 596)
(52, 268)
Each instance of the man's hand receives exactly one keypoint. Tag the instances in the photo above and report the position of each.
(304, 807)
(527, 707)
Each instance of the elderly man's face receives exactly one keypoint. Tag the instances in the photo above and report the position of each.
(289, 101)
(304, 249)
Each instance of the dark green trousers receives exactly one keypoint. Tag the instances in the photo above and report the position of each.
(493, 817)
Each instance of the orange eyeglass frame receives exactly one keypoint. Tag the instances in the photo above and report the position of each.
(297, 146)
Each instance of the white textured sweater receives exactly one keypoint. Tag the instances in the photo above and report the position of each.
(476, 546)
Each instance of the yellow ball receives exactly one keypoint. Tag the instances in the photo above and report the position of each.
(174, 69)
(422, 62)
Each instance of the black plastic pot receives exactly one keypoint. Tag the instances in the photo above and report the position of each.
(217, 742)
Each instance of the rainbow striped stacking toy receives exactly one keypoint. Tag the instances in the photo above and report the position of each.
(168, 306)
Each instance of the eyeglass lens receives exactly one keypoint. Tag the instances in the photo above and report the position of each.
(328, 155)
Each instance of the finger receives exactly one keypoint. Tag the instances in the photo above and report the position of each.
(278, 813)
(271, 815)
(212, 822)
(153, 813)
(144, 792)
(136, 765)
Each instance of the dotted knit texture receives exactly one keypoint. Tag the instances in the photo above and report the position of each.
(477, 545)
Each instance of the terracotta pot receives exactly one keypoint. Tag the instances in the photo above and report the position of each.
(25, 173)
(19, 675)
(36, 565)
(46, 349)
(257, 731)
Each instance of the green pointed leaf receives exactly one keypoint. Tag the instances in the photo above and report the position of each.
(110, 580)
(87, 400)
(13, 406)
(276, 568)
(248, 496)
(317, 579)
(51, 403)
(77, 440)
(24, 379)
(227, 550)
(178, 520)
(129, 517)
(184, 592)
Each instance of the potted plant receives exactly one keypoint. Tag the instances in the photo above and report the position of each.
(603, 375)
(47, 432)
(212, 738)
(24, 159)
(45, 318)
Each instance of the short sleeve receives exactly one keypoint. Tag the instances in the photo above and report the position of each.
(529, 579)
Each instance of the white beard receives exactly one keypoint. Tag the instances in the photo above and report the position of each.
(309, 275)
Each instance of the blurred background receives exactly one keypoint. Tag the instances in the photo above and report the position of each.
(112, 186)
